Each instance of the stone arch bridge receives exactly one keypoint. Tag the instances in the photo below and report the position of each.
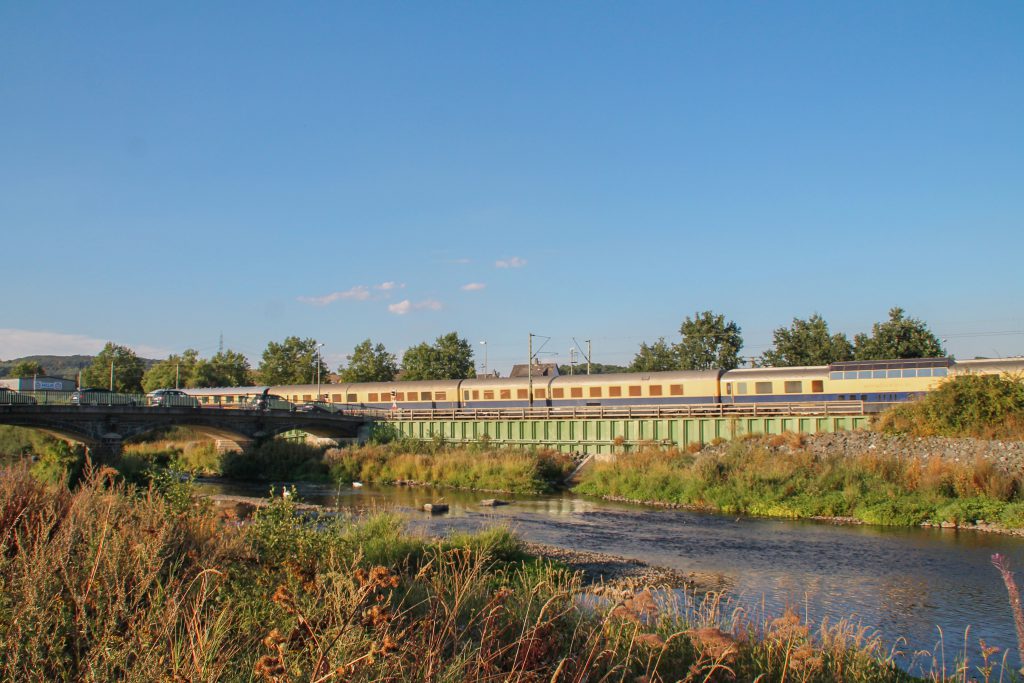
(103, 429)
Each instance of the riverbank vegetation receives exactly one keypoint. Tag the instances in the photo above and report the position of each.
(980, 406)
(473, 467)
(111, 582)
(776, 476)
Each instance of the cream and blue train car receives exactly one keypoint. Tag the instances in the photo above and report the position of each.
(1013, 367)
(508, 392)
(415, 395)
(789, 385)
(634, 388)
(873, 382)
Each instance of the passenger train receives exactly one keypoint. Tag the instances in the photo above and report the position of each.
(875, 383)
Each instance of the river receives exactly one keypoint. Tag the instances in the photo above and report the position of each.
(903, 583)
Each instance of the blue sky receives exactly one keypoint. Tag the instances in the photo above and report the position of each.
(170, 173)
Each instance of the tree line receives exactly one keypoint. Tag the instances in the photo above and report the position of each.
(707, 341)
(710, 341)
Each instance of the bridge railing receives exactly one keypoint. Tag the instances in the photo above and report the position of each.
(820, 408)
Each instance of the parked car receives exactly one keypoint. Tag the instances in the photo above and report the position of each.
(89, 396)
(7, 397)
(171, 398)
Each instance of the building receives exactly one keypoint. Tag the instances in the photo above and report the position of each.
(38, 383)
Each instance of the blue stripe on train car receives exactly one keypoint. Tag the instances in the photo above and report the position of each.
(876, 397)
(634, 401)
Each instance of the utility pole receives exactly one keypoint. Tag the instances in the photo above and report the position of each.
(111, 375)
(588, 356)
(529, 371)
(318, 347)
(177, 368)
(572, 360)
(485, 357)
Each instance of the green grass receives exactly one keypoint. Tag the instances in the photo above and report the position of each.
(758, 478)
(112, 582)
(512, 470)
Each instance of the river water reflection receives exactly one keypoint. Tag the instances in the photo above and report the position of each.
(900, 582)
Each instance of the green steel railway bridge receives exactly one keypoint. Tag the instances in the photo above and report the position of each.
(103, 425)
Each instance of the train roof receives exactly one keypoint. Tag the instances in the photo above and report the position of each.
(896, 364)
(627, 377)
(796, 372)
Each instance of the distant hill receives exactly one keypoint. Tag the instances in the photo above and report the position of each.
(59, 366)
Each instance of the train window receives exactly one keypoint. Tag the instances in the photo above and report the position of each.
(939, 372)
(441, 396)
(835, 375)
(762, 387)
(728, 388)
(424, 396)
(864, 374)
(910, 373)
(539, 393)
(307, 397)
(476, 394)
(595, 392)
(401, 396)
(615, 391)
(675, 389)
(373, 397)
(465, 395)
(817, 386)
(351, 398)
(205, 399)
(229, 399)
(741, 387)
(924, 372)
(506, 393)
(634, 391)
(794, 387)
(878, 374)
(654, 389)
(488, 394)
(522, 393)
(850, 375)
(894, 373)
(576, 392)
(335, 398)
(558, 393)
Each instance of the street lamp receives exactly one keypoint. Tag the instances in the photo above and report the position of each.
(318, 347)
(485, 357)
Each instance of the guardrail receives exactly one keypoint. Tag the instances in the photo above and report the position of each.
(632, 412)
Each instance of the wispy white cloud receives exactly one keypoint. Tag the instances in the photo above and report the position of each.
(405, 306)
(514, 262)
(389, 286)
(16, 343)
(473, 287)
(357, 293)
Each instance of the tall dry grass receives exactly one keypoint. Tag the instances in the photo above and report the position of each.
(114, 583)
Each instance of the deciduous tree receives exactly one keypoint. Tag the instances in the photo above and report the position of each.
(224, 369)
(27, 368)
(369, 363)
(807, 342)
(657, 357)
(293, 361)
(450, 357)
(176, 371)
(709, 342)
(898, 337)
(127, 369)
